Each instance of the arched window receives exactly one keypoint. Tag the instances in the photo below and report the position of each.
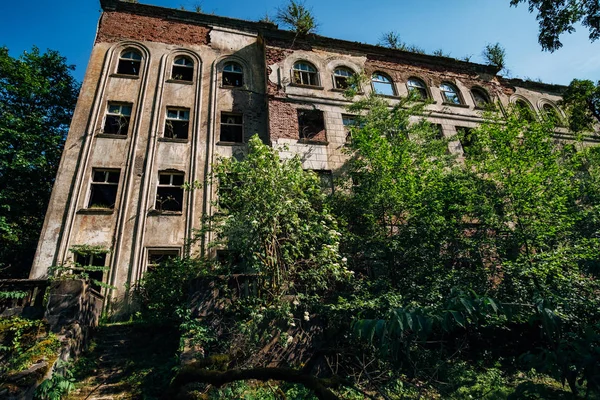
(233, 74)
(341, 76)
(480, 98)
(450, 94)
(524, 110)
(382, 84)
(305, 74)
(551, 113)
(130, 61)
(183, 69)
(417, 86)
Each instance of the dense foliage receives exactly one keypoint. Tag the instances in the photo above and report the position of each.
(582, 102)
(37, 98)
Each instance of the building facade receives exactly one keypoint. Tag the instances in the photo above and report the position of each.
(167, 92)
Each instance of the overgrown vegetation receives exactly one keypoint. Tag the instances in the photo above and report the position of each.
(37, 98)
(494, 54)
(297, 16)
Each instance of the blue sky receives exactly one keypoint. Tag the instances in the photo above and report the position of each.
(459, 27)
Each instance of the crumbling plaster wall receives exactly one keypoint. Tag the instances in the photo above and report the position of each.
(134, 226)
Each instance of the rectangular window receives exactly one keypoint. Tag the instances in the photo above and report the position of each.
(103, 190)
(177, 123)
(326, 178)
(117, 119)
(440, 131)
(312, 125)
(156, 257)
(169, 193)
(465, 135)
(349, 121)
(232, 128)
(94, 265)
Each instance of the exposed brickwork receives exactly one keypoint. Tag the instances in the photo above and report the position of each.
(283, 121)
(274, 55)
(117, 26)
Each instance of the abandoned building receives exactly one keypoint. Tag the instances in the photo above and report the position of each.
(167, 91)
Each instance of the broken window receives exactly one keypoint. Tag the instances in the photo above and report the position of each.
(551, 113)
(450, 93)
(480, 98)
(232, 128)
(524, 111)
(103, 190)
(349, 121)
(382, 84)
(326, 180)
(158, 257)
(341, 76)
(94, 266)
(169, 193)
(233, 74)
(312, 125)
(305, 74)
(418, 86)
(117, 119)
(465, 135)
(183, 69)
(129, 62)
(177, 123)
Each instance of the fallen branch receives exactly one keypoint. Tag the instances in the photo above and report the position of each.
(195, 373)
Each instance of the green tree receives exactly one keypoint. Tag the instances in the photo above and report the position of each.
(298, 17)
(37, 98)
(582, 102)
(558, 16)
(494, 54)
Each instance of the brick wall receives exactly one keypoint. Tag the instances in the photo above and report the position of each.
(116, 26)
(283, 120)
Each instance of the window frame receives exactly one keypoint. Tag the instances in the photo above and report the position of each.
(557, 115)
(93, 274)
(171, 251)
(523, 105)
(456, 91)
(169, 120)
(343, 78)
(422, 91)
(125, 62)
(390, 83)
(112, 116)
(181, 69)
(302, 117)
(227, 124)
(299, 75)
(225, 73)
(485, 95)
(90, 204)
(159, 204)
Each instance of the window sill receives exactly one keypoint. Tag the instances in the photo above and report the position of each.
(389, 96)
(154, 211)
(111, 136)
(307, 86)
(125, 76)
(172, 140)
(230, 143)
(455, 105)
(338, 90)
(181, 82)
(96, 211)
(309, 141)
(490, 108)
(231, 87)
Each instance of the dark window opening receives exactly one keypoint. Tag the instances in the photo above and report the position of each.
(129, 63)
(94, 266)
(233, 75)
(117, 119)
(551, 114)
(440, 131)
(169, 193)
(232, 128)
(524, 111)
(103, 191)
(157, 258)
(305, 74)
(183, 69)
(480, 97)
(326, 180)
(467, 139)
(312, 125)
(177, 123)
